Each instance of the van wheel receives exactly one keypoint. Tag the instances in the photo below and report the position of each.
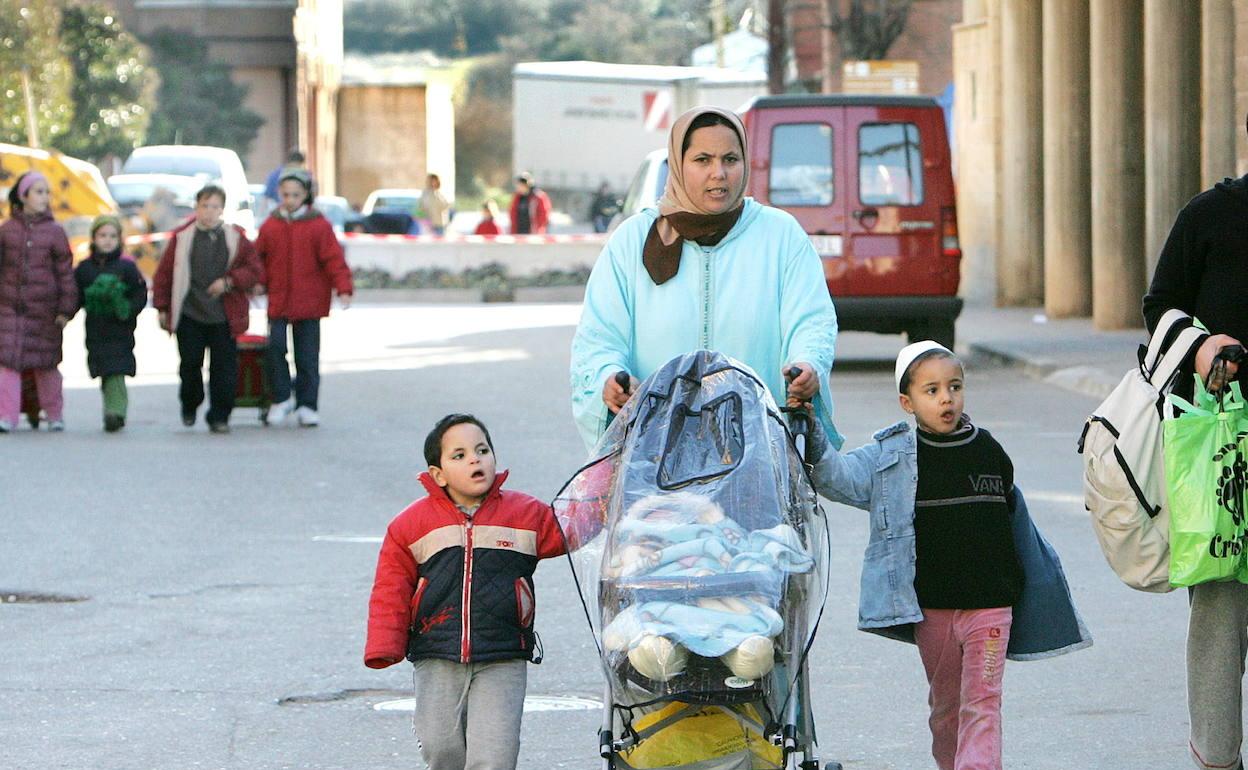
(935, 329)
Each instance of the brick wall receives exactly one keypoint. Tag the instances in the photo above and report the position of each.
(928, 39)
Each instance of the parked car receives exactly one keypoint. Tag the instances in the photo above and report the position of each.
(133, 192)
(340, 213)
(870, 180)
(261, 205)
(407, 199)
(218, 165)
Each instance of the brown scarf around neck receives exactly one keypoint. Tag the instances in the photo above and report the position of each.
(662, 260)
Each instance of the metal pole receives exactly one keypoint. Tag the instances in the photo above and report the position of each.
(32, 130)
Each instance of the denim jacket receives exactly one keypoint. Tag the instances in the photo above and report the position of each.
(882, 477)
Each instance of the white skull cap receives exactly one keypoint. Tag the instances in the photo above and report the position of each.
(911, 352)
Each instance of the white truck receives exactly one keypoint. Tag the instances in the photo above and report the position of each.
(581, 123)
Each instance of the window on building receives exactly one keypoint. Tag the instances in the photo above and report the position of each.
(801, 165)
(890, 165)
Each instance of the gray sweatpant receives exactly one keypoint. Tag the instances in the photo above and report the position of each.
(468, 714)
(1217, 639)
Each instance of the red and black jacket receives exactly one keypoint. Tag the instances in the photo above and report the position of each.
(459, 587)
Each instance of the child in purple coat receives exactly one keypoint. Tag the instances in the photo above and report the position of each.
(37, 299)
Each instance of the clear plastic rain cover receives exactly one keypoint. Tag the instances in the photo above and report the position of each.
(697, 542)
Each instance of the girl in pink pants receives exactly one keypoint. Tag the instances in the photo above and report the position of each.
(37, 298)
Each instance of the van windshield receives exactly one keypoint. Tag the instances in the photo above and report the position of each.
(801, 165)
(181, 165)
(890, 165)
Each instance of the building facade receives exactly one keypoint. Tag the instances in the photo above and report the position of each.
(927, 39)
(286, 52)
(396, 123)
(1083, 127)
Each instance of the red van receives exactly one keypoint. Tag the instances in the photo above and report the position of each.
(870, 179)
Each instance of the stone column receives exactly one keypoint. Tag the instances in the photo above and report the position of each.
(1171, 119)
(1117, 98)
(1067, 197)
(1220, 122)
(1020, 274)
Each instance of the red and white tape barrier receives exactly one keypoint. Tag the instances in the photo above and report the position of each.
(588, 238)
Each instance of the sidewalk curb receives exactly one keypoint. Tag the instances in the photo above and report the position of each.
(1084, 380)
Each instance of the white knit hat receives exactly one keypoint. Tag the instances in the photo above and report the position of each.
(911, 352)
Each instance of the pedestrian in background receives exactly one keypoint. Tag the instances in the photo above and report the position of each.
(294, 159)
(201, 292)
(470, 677)
(37, 299)
(489, 219)
(604, 208)
(1202, 271)
(303, 263)
(113, 293)
(437, 207)
(530, 207)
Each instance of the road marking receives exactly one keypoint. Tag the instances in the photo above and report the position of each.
(531, 703)
(1059, 498)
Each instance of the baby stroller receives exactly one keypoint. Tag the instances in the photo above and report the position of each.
(700, 553)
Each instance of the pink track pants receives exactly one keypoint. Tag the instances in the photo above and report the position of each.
(963, 653)
(47, 383)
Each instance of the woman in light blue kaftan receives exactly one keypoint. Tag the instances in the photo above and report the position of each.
(668, 282)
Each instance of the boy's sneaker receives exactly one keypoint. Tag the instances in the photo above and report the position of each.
(56, 426)
(280, 411)
(5, 426)
(114, 423)
(188, 417)
(308, 417)
(219, 427)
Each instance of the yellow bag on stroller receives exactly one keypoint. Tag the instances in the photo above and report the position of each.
(680, 734)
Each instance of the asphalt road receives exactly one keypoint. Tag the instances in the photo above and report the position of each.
(226, 578)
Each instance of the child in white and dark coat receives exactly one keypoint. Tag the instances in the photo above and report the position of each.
(954, 563)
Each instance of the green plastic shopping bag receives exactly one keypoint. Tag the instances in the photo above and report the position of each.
(1206, 461)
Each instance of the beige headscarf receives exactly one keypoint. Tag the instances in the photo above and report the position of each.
(680, 218)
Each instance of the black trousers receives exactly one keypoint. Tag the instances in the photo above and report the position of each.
(193, 339)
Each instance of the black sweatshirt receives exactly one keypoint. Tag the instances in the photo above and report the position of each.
(1203, 268)
(964, 544)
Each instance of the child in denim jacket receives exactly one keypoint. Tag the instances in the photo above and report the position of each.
(954, 563)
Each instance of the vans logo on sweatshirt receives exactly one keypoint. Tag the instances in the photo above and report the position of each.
(987, 484)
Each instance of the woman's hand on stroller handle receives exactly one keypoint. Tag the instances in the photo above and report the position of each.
(803, 383)
(616, 391)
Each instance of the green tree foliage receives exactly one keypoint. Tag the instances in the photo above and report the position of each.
(113, 90)
(197, 102)
(483, 127)
(28, 38)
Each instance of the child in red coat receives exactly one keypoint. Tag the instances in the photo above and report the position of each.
(303, 262)
(454, 594)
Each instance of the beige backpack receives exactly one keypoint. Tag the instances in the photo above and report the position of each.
(1124, 486)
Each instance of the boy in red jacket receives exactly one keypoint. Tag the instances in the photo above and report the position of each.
(454, 595)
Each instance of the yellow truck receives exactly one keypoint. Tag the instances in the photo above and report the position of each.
(79, 193)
